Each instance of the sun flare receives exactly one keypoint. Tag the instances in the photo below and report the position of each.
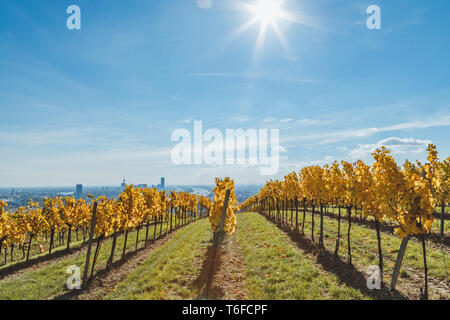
(267, 11)
(271, 17)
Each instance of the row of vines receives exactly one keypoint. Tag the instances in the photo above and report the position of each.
(405, 195)
(58, 218)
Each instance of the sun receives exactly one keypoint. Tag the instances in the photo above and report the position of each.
(267, 11)
(270, 16)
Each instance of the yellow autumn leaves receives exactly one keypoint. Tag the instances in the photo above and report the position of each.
(133, 207)
(384, 190)
(217, 206)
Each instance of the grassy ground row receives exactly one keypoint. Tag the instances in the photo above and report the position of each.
(275, 268)
(19, 254)
(51, 279)
(364, 247)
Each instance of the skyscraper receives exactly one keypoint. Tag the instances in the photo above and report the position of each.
(78, 191)
(123, 185)
(163, 183)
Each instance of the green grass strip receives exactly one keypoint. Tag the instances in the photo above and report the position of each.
(365, 248)
(51, 279)
(276, 269)
(169, 272)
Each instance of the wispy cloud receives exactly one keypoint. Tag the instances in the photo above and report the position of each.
(242, 119)
(251, 75)
(288, 166)
(204, 4)
(396, 145)
(336, 136)
(311, 122)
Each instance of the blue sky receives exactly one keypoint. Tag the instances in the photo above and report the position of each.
(93, 105)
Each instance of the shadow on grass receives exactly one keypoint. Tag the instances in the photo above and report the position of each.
(346, 273)
(17, 266)
(91, 283)
(6, 270)
(204, 282)
(386, 228)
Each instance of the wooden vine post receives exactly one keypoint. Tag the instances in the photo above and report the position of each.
(398, 262)
(442, 220)
(91, 236)
(218, 238)
(220, 233)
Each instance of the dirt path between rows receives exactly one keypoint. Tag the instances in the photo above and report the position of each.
(225, 281)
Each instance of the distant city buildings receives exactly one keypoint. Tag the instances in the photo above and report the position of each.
(78, 191)
(160, 186)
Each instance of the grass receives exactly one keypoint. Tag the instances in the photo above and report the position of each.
(276, 269)
(169, 270)
(19, 255)
(436, 226)
(365, 248)
(50, 280)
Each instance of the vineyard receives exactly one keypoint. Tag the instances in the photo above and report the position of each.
(55, 223)
(384, 192)
(311, 236)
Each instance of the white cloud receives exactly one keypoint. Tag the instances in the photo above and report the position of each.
(280, 149)
(395, 144)
(297, 166)
(267, 120)
(242, 119)
(286, 120)
(311, 122)
(336, 136)
(204, 4)
(251, 75)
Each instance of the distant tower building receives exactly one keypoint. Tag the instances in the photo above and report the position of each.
(123, 185)
(163, 183)
(78, 191)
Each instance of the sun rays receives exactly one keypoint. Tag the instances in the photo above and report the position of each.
(268, 14)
